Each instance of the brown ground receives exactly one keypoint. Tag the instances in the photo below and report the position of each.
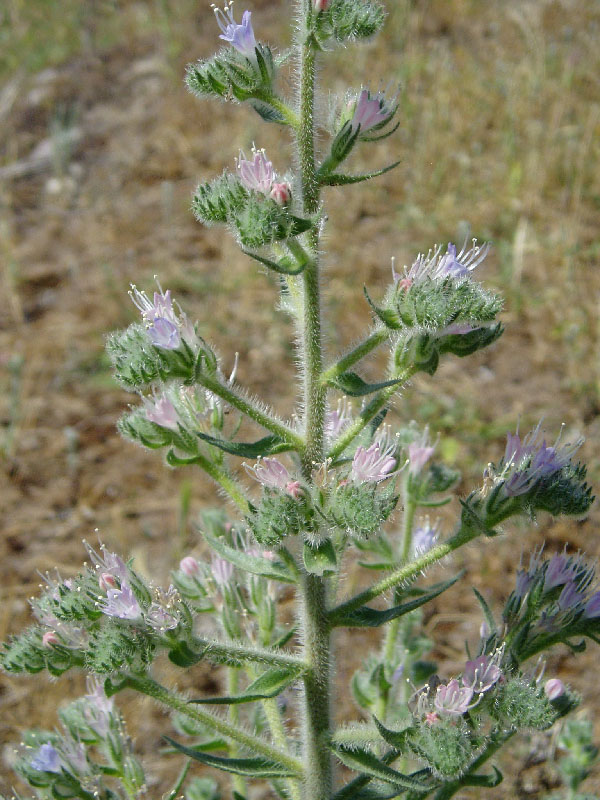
(500, 129)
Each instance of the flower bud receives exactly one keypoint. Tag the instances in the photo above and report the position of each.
(50, 638)
(554, 688)
(190, 567)
(320, 5)
(281, 193)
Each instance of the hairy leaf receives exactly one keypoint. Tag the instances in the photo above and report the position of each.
(257, 565)
(269, 684)
(268, 445)
(368, 764)
(257, 767)
(352, 384)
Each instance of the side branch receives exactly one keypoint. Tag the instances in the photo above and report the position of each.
(405, 573)
(251, 409)
(161, 694)
(360, 351)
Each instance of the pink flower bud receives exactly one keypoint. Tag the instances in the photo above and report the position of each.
(294, 488)
(50, 638)
(190, 567)
(320, 5)
(554, 688)
(107, 581)
(281, 193)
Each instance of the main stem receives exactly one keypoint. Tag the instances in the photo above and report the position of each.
(313, 589)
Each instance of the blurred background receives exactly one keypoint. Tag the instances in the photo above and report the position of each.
(100, 149)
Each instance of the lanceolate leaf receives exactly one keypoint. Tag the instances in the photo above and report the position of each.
(366, 617)
(251, 767)
(489, 617)
(337, 179)
(269, 684)
(352, 384)
(266, 446)
(285, 267)
(368, 764)
(389, 318)
(396, 739)
(254, 564)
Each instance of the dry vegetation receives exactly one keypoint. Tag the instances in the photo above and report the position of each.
(100, 147)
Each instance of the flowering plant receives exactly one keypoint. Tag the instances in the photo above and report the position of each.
(322, 486)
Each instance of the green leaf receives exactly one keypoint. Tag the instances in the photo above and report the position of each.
(184, 656)
(366, 617)
(284, 267)
(269, 684)
(389, 318)
(251, 767)
(268, 445)
(368, 764)
(487, 613)
(489, 781)
(397, 739)
(321, 559)
(352, 384)
(257, 565)
(337, 179)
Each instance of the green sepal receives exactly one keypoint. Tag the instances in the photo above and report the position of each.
(320, 559)
(251, 767)
(353, 385)
(253, 564)
(269, 684)
(183, 656)
(115, 684)
(382, 136)
(268, 113)
(397, 739)
(487, 781)
(174, 460)
(267, 446)
(368, 764)
(463, 344)
(366, 617)
(389, 318)
(487, 612)
(283, 267)
(337, 179)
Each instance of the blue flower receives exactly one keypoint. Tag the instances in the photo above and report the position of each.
(239, 36)
(46, 759)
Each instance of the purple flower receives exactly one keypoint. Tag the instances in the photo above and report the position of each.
(592, 607)
(528, 461)
(161, 411)
(438, 266)
(122, 603)
(373, 464)
(164, 326)
(337, 420)
(371, 111)
(222, 570)
(108, 562)
(570, 597)
(453, 699)
(272, 473)
(424, 537)
(98, 709)
(559, 570)
(419, 452)
(481, 674)
(256, 175)
(239, 36)
(46, 759)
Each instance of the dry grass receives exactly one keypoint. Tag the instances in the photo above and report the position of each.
(500, 135)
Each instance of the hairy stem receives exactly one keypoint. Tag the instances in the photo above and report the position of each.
(406, 572)
(360, 351)
(225, 481)
(161, 694)
(313, 593)
(233, 686)
(228, 652)
(252, 410)
(366, 415)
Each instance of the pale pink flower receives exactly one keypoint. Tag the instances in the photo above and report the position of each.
(452, 698)
(554, 688)
(281, 193)
(256, 175)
